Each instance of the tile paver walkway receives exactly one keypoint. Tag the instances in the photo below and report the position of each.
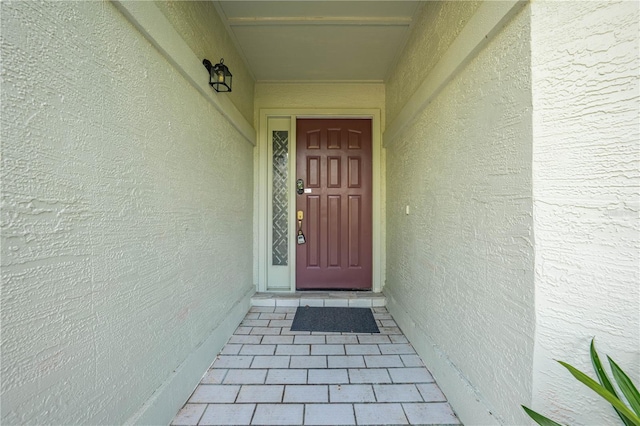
(270, 375)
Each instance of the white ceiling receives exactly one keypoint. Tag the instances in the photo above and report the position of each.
(319, 40)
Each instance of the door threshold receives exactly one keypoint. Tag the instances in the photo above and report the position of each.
(354, 299)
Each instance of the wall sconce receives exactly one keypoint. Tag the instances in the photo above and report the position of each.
(219, 75)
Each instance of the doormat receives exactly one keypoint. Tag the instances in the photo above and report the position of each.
(343, 320)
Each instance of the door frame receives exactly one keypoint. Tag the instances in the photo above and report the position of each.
(262, 180)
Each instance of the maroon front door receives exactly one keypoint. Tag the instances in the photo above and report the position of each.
(334, 163)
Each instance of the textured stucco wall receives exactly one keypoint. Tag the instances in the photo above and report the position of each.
(201, 28)
(126, 212)
(435, 28)
(586, 183)
(460, 265)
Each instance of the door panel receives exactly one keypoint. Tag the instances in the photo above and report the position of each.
(334, 157)
(313, 225)
(354, 172)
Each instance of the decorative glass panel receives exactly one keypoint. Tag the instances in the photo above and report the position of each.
(280, 225)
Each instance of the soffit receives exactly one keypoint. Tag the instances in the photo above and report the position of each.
(319, 40)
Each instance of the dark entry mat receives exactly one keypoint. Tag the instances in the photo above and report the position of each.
(344, 320)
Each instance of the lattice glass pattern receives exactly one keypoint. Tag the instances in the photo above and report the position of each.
(280, 225)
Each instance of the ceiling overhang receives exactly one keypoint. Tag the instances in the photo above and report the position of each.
(303, 41)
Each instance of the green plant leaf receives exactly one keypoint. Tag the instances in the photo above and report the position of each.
(539, 418)
(604, 379)
(600, 390)
(597, 366)
(626, 386)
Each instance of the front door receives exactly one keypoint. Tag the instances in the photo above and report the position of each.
(334, 162)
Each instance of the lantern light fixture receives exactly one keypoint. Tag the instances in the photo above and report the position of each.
(219, 75)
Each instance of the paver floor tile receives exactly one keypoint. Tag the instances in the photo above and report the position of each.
(245, 339)
(262, 309)
(309, 340)
(410, 375)
(255, 323)
(327, 349)
(336, 303)
(232, 361)
(189, 415)
(278, 414)
(231, 349)
(308, 361)
(264, 331)
(373, 339)
(329, 376)
(379, 361)
(397, 393)
(312, 302)
(431, 413)
(287, 376)
(389, 330)
(270, 361)
(265, 303)
(398, 338)
(245, 377)
(342, 339)
(369, 375)
(328, 414)
(273, 316)
(260, 393)
(380, 414)
(362, 349)
(351, 393)
(213, 394)
(292, 350)
(360, 303)
(228, 414)
(288, 332)
(345, 361)
(411, 361)
(267, 374)
(257, 349)
(397, 348)
(214, 377)
(306, 393)
(281, 323)
(431, 392)
(277, 340)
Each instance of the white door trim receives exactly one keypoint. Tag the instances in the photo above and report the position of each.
(264, 203)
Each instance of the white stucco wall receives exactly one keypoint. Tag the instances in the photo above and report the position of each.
(202, 29)
(434, 29)
(586, 183)
(460, 265)
(126, 218)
